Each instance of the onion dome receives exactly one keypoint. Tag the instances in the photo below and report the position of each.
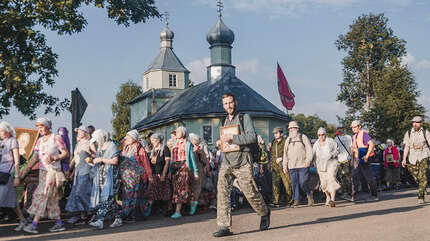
(220, 34)
(166, 34)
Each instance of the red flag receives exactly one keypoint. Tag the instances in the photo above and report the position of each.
(287, 96)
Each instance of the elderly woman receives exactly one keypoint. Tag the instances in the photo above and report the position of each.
(105, 181)
(202, 160)
(183, 165)
(391, 165)
(135, 173)
(49, 150)
(79, 200)
(160, 188)
(9, 164)
(325, 152)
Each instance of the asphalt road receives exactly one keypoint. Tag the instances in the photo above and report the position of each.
(397, 217)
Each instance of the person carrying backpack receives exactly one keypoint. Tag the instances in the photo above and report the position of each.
(277, 174)
(297, 160)
(237, 164)
(417, 148)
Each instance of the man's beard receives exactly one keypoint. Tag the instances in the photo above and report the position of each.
(293, 133)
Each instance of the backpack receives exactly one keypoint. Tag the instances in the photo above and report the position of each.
(301, 140)
(254, 148)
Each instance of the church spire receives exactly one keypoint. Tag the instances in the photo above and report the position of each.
(220, 38)
(167, 35)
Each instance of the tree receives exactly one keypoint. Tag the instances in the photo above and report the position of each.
(309, 125)
(395, 103)
(28, 64)
(373, 74)
(121, 109)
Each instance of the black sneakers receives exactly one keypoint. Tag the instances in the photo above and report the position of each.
(222, 233)
(265, 221)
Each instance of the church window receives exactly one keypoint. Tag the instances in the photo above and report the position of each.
(207, 134)
(172, 80)
(147, 83)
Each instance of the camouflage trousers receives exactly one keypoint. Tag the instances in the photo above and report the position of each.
(248, 187)
(278, 175)
(344, 176)
(419, 172)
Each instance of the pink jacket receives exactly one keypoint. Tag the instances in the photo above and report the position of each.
(395, 153)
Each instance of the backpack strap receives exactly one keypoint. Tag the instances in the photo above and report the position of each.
(241, 121)
(425, 137)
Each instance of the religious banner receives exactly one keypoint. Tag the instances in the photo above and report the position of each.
(27, 139)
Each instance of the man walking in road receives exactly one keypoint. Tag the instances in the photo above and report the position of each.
(363, 148)
(238, 165)
(277, 172)
(416, 143)
(297, 160)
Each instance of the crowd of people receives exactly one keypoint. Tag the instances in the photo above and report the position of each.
(137, 178)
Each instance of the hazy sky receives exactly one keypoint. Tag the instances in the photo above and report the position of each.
(300, 34)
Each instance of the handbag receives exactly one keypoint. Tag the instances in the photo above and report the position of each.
(4, 176)
(176, 166)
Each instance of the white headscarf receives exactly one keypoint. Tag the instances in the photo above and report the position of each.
(134, 134)
(194, 137)
(45, 122)
(321, 131)
(183, 130)
(8, 128)
(100, 137)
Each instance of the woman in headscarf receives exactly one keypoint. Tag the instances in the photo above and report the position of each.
(105, 181)
(391, 165)
(202, 160)
(50, 149)
(135, 173)
(325, 152)
(9, 164)
(160, 188)
(183, 167)
(78, 203)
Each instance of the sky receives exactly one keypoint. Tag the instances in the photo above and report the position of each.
(299, 34)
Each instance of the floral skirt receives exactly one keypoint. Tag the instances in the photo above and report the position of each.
(181, 182)
(79, 199)
(159, 190)
(134, 203)
(45, 198)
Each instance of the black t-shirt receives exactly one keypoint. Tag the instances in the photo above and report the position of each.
(158, 167)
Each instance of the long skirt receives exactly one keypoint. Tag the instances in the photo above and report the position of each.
(181, 181)
(134, 204)
(79, 199)
(107, 209)
(45, 199)
(328, 178)
(8, 194)
(158, 190)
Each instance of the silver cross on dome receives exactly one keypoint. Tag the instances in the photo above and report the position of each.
(165, 16)
(220, 6)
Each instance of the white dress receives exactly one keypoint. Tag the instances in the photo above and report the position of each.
(326, 163)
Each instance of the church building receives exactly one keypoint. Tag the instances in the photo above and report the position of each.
(169, 102)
